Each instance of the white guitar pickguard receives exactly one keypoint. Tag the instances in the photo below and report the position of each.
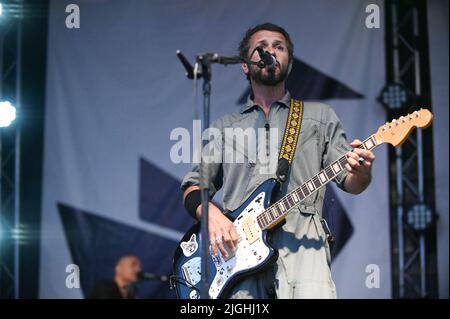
(251, 250)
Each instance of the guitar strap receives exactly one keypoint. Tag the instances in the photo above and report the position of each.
(290, 139)
(287, 151)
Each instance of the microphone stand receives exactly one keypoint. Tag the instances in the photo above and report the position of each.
(205, 60)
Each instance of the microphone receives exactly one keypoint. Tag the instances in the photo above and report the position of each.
(267, 59)
(150, 276)
(189, 68)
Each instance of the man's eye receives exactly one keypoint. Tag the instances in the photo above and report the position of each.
(280, 48)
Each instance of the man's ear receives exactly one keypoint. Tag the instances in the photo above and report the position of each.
(290, 66)
(245, 68)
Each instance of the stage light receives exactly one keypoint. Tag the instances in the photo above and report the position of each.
(395, 96)
(7, 113)
(1, 8)
(17, 234)
(420, 217)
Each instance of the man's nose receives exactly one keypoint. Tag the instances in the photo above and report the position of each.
(272, 52)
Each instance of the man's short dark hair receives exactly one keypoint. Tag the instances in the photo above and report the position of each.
(244, 45)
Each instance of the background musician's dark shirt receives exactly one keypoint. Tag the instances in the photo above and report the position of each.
(108, 289)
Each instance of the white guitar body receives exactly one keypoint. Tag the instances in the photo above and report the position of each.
(251, 254)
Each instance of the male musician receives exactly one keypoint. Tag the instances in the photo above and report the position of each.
(303, 267)
(122, 286)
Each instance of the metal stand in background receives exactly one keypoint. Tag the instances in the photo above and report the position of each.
(413, 217)
(10, 140)
(205, 61)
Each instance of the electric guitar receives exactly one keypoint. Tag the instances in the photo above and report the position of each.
(258, 214)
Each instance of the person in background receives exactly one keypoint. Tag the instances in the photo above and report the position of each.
(122, 286)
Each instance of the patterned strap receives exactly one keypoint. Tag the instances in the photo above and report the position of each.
(290, 138)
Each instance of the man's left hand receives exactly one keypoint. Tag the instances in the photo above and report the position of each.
(359, 161)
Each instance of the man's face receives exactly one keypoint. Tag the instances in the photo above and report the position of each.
(275, 44)
(128, 269)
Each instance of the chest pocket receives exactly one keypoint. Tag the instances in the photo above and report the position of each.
(307, 163)
(308, 134)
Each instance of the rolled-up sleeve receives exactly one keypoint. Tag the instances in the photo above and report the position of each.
(336, 144)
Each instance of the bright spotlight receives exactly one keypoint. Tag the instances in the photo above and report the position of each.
(7, 113)
(1, 8)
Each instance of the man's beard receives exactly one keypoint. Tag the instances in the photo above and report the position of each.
(271, 78)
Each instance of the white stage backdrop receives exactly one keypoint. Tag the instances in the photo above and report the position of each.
(115, 90)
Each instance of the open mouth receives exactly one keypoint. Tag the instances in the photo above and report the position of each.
(273, 68)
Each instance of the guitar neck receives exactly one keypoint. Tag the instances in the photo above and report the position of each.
(278, 211)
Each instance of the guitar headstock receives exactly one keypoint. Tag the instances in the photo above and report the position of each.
(397, 131)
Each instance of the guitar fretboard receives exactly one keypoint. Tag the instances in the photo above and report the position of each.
(276, 212)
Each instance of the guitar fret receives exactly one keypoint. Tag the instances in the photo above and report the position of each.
(266, 219)
(261, 222)
(343, 161)
(316, 181)
(295, 197)
(336, 167)
(329, 172)
(323, 178)
(271, 213)
(300, 194)
(311, 187)
(305, 190)
(282, 207)
(268, 214)
(369, 144)
(374, 142)
(290, 200)
(274, 215)
(287, 204)
(278, 209)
